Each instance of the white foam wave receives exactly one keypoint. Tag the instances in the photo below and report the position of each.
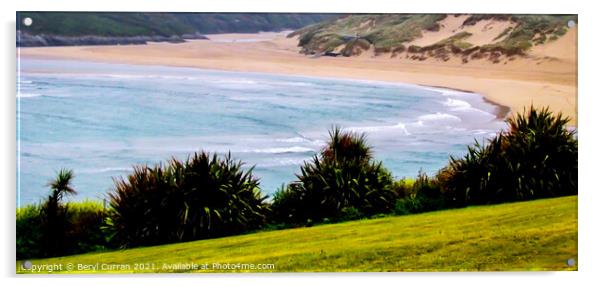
(240, 98)
(238, 81)
(106, 170)
(28, 95)
(439, 117)
(283, 162)
(149, 76)
(301, 140)
(399, 126)
(463, 106)
(480, 131)
(282, 150)
(446, 92)
(293, 83)
(457, 104)
(293, 140)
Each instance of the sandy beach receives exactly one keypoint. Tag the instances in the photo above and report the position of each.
(546, 77)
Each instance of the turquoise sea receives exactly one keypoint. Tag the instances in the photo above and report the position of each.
(100, 119)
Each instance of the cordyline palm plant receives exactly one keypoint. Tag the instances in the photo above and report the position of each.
(54, 214)
(535, 158)
(202, 197)
(343, 178)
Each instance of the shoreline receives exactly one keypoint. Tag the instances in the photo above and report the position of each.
(501, 111)
(511, 86)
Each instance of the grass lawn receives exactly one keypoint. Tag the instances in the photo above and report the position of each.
(535, 235)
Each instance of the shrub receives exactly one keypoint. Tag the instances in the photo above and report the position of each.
(86, 230)
(83, 230)
(403, 187)
(287, 206)
(350, 213)
(414, 49)
(341, 177)
(421, 195)
(535, 158)
(200, 198)
(54, 214)
(29, 232)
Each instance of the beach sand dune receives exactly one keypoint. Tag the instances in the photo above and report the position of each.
(546, 77)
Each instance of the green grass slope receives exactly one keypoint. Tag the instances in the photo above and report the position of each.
(535, 235)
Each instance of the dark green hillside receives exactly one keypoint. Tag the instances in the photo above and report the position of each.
(160, 24)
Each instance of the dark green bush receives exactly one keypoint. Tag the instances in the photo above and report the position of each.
(202, 197)
(535, 158)
(341, 177)
(422, 195)
(29, 232)
(287, 206)
(83, 231)
(53, 214)
(351, 213)
(86, 230)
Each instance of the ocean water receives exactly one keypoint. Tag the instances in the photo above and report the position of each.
(101, 119)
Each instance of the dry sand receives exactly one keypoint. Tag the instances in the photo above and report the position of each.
(482, 33)
(548, 77)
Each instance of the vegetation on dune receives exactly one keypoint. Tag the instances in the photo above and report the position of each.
(535, 235)
(532, 30)
(392, 33)
(202, 197)
(384, 31)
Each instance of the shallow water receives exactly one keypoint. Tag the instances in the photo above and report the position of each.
(100, 119)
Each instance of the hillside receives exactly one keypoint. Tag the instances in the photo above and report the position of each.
(78, 28)
(437, 36)
(535, 235)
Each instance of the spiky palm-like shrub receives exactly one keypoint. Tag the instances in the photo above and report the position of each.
(54, 228)
(343, 177)
(202, 197)
(535, 158)
(53, 214)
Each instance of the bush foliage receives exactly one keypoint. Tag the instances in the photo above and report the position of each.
(421, 195)
(343, 176)
(535, 158)
(202, 197)
(83, 231)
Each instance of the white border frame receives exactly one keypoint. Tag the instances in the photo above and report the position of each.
(589, 160)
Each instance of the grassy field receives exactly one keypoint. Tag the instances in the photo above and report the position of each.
(536, 235)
